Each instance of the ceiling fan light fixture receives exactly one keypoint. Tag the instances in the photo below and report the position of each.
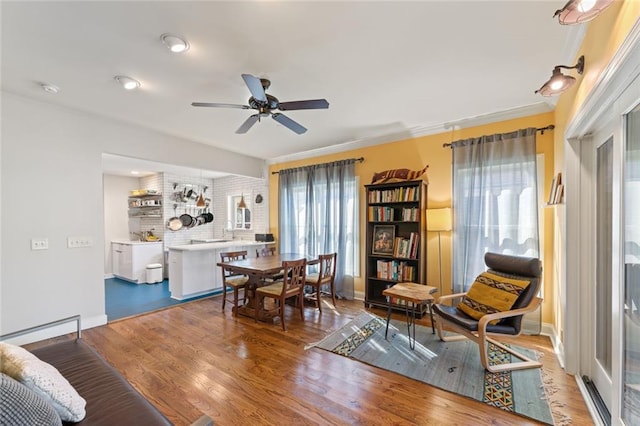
(127, 82)
(560, 82)
(174, 43)
(579, 11)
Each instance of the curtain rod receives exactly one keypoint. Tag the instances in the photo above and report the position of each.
(359, 160)
(540, 129)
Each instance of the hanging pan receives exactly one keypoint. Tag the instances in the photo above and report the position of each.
(208, 216)
(186, 219)
(174, 224)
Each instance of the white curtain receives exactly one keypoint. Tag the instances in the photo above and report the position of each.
(495, 201)
(318, 213)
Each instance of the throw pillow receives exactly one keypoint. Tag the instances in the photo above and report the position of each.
(44, 380)
(20, 406)
(491, 293)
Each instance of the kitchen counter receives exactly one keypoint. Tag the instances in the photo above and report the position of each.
(193, 269)
(218, 244)
(133, 243)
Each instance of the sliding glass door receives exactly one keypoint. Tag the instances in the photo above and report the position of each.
(630, 391)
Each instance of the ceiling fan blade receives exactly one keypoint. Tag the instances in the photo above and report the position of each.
(310, 104)
(216, 105)
(287, 122)
(248, 123)
(255, 87)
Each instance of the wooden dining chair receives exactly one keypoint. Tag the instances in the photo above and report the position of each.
(291, 285)
(325, 277)
(233, 280)
(266, 251)
(269, 251)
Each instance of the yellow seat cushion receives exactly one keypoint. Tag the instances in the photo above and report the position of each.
(272, 289)
(236, 281)
(491, 293)
(275, 289)
(312, 278)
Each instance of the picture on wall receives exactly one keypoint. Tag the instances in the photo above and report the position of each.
(383, 238)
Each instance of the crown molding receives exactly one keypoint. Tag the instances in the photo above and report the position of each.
(418, 131)
(623, 68)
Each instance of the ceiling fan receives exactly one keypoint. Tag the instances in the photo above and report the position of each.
(265, 104)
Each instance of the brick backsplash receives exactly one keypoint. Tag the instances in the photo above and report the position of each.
(218, 191)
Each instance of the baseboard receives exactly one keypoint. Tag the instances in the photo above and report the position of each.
(358, 295)
(60, 330)
(558, 347)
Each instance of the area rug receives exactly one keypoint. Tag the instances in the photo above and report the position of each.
(451, 366)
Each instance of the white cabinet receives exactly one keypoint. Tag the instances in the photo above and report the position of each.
(130, 259)
(193, 269)
(192, 273)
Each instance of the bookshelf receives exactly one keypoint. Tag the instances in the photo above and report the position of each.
(395, 237)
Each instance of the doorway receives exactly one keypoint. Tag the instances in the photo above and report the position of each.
(607, 282)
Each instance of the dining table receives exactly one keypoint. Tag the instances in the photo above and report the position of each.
(259, 270)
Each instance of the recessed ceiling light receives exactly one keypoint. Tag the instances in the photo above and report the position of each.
(127, 82)
(174, 43)
(49, 88)
(135, 172)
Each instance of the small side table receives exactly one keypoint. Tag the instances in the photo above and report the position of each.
(415, 294)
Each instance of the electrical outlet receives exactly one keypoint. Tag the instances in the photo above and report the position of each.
(79, 242)
(39, 243)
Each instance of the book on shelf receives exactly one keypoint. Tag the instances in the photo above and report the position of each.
(394, 270)
(557, 190)
(410, 214)
(393, 195)
(558, 196)
(381, 214)
(406, 247)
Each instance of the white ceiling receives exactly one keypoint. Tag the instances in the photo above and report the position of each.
(389, 70)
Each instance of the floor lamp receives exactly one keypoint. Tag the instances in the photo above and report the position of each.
(439, 220)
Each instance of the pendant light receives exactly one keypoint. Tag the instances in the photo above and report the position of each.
(200, 203)
(242, 204)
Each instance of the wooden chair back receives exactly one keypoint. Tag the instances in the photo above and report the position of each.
(266, 251)
(327, 271)
(230, 256)
(295, 272)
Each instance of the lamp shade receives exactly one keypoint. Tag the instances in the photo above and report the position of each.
(242, 204)
(439, 219)
(579, 11)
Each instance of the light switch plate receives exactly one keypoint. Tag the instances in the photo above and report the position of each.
(79, 242)
(39, 243)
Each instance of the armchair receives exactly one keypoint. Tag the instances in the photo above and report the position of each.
(494, 323)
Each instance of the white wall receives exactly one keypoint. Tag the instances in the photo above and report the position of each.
(52, 174)
(116, 213)
(239, 185)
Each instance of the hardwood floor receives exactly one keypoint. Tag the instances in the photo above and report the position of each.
(193, 358)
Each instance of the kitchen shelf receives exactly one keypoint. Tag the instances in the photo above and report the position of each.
(145, 206)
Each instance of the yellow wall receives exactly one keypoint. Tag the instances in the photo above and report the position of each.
(414, 154)
(604, 37)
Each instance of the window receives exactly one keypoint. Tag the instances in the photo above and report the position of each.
(318, 213)
(238, 217)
